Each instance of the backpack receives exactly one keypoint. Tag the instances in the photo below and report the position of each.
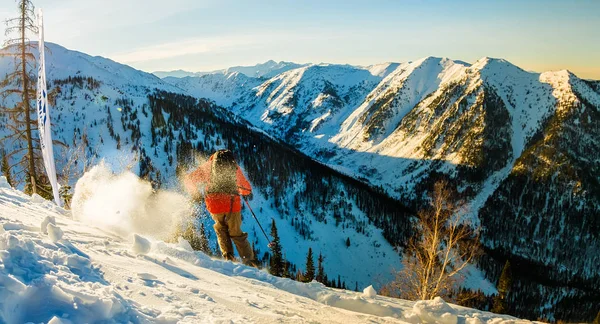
(223, 173)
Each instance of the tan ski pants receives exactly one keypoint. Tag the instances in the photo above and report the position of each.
(228, 227)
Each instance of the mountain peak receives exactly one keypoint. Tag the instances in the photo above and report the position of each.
(496, 66)
(487, 61)
(434, 60)
(428, 59)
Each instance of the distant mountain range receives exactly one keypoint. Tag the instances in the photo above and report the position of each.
(262, 70)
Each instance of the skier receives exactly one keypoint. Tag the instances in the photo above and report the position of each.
(224, 182)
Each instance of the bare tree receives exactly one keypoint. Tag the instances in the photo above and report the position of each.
(19, 86)
(444, 245)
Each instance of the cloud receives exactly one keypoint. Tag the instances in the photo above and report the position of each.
(213, 44)
(183, 47)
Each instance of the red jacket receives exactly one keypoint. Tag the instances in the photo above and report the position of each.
(218, 203)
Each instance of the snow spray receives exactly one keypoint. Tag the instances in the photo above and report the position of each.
(125, 204)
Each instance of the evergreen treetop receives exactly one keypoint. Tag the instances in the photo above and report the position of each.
(321, 277)
(309, 275)
(276, 265)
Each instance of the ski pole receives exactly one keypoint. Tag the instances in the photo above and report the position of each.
(270, 245)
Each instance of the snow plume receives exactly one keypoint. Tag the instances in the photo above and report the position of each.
(126, 204)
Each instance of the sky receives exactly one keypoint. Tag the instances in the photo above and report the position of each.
(204, 35)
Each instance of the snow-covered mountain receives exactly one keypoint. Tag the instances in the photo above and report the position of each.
(55, 269)
(222, 88)
(64, 63)
(262, 70)
(128, 117)
(521, 148)
(354, 117)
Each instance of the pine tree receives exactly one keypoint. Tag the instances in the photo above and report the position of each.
(309, 275)
(339, 282)
(321, 270)
(204, 245)
(276, 265)
(356, 287)
(20, 82)
(504, 284)
(348, 242)
(5, 168)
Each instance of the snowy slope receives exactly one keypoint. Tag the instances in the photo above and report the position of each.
(223, 88)
(62, 63)
(92, 274)
(310, 98)
(79, 105)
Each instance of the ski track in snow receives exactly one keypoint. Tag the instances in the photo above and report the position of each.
(92, 275)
